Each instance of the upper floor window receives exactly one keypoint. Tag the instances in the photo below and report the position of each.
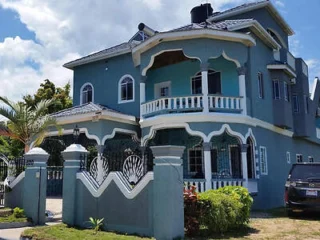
(260, 85)
(295, 101)
(263, 160)
(306, 104)
(299, 158)
(286, 92)
(214, 83)
(86, 93)
(126, 89)
(276, 89)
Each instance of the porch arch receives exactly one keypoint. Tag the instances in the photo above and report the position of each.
(226, 128)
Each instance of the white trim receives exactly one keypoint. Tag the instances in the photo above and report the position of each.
(226, 128)
(166, 156)
(120, 130)
(274, 89)
(314, 87)
(129, 194)
(260, 85)
(265, 161)
(299, 155)
(288, 157)
(158, 86)
(238, 64)
(78, 167)
(182, 120)
(282, 67)
(81, 89)
(17, 179)
(119, 89)
(202, 159)
(278, 36)
(168, 164)
(76, 161)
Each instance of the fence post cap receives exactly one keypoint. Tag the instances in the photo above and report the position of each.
(37, 151)
(75, 148)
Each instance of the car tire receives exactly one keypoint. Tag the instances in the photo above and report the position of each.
(291, 214)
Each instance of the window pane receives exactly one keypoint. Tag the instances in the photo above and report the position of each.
(129, 91)
(123, 92)
(90, 96)
(276, 89)
(214, 83)
(295, 103)
(196, 85)
(260, 85)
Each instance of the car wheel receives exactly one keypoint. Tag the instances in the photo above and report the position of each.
(291, 214)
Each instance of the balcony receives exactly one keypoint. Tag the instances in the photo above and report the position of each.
(193, 103)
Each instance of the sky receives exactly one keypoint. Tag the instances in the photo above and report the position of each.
(38, 36)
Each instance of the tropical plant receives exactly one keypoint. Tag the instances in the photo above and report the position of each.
(18, 212)
(24, 123)
(96, 223)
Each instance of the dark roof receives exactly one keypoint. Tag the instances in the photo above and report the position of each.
(82, 109)
(239, 7)
(223, 25)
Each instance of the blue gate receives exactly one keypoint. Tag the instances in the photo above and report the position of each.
(54, 181)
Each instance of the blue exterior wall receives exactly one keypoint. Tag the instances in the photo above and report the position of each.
(14, 198)
(132, 216)
(105, 82)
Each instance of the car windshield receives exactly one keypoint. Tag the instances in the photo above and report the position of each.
(309, 172)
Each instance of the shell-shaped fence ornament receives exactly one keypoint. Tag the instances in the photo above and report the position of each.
(99, 169)
(133, 169)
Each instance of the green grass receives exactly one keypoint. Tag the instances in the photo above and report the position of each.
(62, 231)
(11, 218)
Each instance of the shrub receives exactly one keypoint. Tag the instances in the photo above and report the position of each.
(96, 223)
(18, 212)
(242, 195)
(192, 211)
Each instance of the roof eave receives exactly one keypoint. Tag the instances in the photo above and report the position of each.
(86, 60)
(268, 4)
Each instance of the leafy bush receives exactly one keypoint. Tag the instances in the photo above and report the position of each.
(18, 212)
(192, 211)
(225, 209)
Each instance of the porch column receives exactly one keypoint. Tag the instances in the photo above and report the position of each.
(242, 88)
(244, 148)
(100, 174)
(204, 86)
(142, 93)
(207, 164)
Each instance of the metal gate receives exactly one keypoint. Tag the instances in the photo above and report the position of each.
(3, 175)
(54, 181)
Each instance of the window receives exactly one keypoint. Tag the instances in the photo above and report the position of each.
(214, 83)
(260, 85)
(286, 92)
(263, 161)
(195, 160)
(310, 158)
(299, 158)
(276, 89)
(288, 158)
(86, 93)
(295, 101)
(126, 89)
(306, 104)
(164, 91)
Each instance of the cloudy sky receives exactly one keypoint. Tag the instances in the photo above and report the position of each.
(38, 36)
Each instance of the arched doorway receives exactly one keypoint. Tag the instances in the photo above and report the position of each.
(250, 159)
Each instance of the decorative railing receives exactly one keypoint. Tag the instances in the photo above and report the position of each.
(172, 104)
(224, 103)
(218, 183)
(16, 166)
(2, 190)
(304, 68)
(198, 183)
(291, 60)
(54, 180)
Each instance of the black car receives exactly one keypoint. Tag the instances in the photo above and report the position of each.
(302, 189)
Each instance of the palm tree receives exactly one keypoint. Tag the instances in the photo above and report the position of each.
(26, 124)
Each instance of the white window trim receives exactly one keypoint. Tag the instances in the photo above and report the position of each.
(288, 157)
(265, 159)
(298, 154)
(81, 89)
(274, 90)
(202, 161)
(286, 91)
(160, 85)
(119, 89)
(260, 85)
(310, 157)
(210, 69)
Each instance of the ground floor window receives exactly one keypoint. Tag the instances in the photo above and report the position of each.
(195, 161)
(310, 159)
(263, 160)
(299, 158)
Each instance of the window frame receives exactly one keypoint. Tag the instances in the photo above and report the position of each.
(295, 99)
(120, 101)
(92, 93)
(299, 156)
(274, 89)
(310, 159)
(286, 91)
(306, 104)
(288, 157)
(199, 74)
(260, 85)
(158, 86)
(202, 159)
(263, 170)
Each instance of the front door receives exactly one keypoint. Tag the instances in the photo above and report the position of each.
(235, 161)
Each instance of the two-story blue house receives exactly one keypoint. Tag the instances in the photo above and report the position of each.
(224, 86)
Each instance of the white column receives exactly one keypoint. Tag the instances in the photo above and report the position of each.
(244, 148)
(142, 93)
(242, 89)
(207, 164)
(204, 86)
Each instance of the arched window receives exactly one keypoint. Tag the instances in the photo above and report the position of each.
(126, 89)
(86, 93)
(277, 37)
(214, 83)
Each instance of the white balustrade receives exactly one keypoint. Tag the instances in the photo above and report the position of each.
(198, 183)
(187, 103)
(291, 60)
(218, 183)
(304, 68)
(224, 102)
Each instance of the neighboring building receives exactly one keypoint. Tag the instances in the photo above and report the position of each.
(225, 86)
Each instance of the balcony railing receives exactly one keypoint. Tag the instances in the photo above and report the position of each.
(291, 60)
(172, 104)
(224, 103)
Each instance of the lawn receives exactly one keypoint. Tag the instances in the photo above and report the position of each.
(275, 226)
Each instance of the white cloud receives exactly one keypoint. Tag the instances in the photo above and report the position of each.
(279, 4)
(66, 30)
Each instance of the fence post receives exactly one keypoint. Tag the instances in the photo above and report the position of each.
(168, 218)
(71, 166)
(35, 185)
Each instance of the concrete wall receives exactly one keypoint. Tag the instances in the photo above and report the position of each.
(14, 198)
(119, 213)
